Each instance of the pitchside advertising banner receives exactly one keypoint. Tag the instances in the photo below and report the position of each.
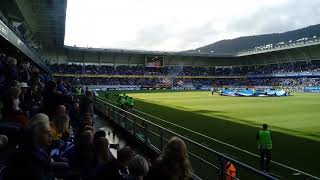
(312, 89)
(253, 87)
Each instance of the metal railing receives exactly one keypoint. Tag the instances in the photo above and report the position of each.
(206, 162)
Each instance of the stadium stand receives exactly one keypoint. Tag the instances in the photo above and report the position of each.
(45, 134)
(47, 123)
(293, 74)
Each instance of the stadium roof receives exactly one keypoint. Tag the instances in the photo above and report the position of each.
(158, 53)
(45, 19)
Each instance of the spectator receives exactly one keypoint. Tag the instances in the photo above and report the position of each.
(52, 98)
(103, 155)
(60, 127)
(118, 168)
(11, 109)
(173, 163)
(11, 73)
(24, 75)
(31, 160)
(24, 89)
(3, 141)
(83, 159)
(33, 100)
(86, 104)
(138, 168)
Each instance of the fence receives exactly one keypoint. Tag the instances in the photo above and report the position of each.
(207, 163)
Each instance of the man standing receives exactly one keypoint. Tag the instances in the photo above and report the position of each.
(130, 103)
(212, 90)
(264, 146)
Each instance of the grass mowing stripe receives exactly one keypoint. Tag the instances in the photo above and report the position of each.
(227, 119)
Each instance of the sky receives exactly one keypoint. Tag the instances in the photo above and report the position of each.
(178, 25)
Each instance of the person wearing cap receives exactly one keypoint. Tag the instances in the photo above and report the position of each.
(24, 89)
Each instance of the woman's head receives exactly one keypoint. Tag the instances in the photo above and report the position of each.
(12, 61)
(40, 129)
(176, 149)
(138, 166)
(86, 139)
(101, 146)
(61, 123)
(51, 86)
(176, 158)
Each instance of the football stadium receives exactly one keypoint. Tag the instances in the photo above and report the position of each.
(128, 90)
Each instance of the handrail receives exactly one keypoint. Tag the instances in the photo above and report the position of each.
(234, 147)
(243, 165)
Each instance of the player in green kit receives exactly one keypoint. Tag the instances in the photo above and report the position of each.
(130, 102)
(265, 146)
(119, 99)
(123, 101)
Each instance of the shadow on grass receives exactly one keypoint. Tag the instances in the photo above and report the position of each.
(298, 152)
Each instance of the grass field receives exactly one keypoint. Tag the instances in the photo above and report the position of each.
(294, 120)
(297, 115)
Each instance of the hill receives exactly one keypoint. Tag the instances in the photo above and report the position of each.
(232, 46)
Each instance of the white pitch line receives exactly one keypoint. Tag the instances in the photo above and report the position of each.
(226, 144)
(229, 145)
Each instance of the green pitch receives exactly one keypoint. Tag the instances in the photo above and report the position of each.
(294, 120)
(298, 115)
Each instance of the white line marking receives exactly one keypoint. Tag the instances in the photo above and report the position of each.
(226, 144)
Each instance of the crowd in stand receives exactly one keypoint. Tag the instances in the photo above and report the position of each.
(273, 69)
(20, 30)
(47, 132)
(287, 69)
(180, 82)
(294, 74)
(142, 70)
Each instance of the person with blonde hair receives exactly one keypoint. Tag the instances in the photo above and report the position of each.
(173, 163)
(39, 118)
(60, 126)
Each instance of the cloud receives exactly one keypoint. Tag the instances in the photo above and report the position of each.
(293, 15)
(176, 25)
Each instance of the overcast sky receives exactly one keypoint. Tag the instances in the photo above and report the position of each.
(176, 25)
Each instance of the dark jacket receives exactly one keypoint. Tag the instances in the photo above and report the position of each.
(113, 170)
(53, 99)
(160, 171)
(29, 162)
(130, 177)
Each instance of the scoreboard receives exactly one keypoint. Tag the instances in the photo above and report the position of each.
(154, 61)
